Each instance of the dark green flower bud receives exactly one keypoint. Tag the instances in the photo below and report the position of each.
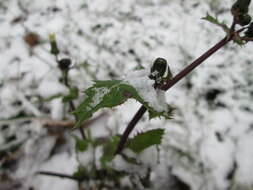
(240, 7)
(64, 64)
(249, 32)
(158, 68)
(244, 20)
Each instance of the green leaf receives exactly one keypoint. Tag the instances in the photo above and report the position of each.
(109, 149)
(211, 19)
(108, 94)
(50, 98)
(144, 140)
(73, 94)
(214, 20)
(81, 145)
(101, 95)
(167, 115)
(239, 41)
(129, 159)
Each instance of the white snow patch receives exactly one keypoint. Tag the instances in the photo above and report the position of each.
(57, 108)
(244, 158)
(49, 88)
(99, 95)
(61, 163)
(144, 86)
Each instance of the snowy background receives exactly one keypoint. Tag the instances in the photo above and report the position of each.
(207, 144)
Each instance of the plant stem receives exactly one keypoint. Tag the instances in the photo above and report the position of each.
(169, 83)
(71, 103)
(129, 129)
(66, 82)
(58, 175)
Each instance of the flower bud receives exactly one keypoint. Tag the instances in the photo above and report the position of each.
(244, 20)
(240, 7)
(64, 64)
(54, 48)
(158, 68)
(249, 32)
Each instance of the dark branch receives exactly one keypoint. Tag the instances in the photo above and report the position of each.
(129, 129)
(194, 64)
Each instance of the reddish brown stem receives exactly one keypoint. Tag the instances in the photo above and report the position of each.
(171, 82)
(168, 85)
(129, 129)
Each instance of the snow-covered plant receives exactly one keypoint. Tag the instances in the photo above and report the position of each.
(147, 86)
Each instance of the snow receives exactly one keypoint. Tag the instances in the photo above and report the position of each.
(56, 109)
(205, 137)
(48, 88)
(58, 164)
(244, 156)
(99, 94)
(86, 158)
(145, 88)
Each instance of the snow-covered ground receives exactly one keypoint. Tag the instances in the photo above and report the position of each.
(207, 144)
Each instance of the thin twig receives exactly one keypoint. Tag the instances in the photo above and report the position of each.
(58, 175)
(53, 124)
